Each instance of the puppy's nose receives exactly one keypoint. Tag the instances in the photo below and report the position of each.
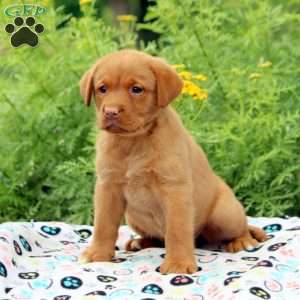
(111, 112)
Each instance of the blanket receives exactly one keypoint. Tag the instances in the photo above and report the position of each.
(39, 261)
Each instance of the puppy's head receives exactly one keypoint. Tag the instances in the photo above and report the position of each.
(129, 88)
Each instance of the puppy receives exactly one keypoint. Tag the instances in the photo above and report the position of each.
(151, 170)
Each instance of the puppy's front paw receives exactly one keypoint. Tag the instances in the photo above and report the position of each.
(95, 253)
(178, 266)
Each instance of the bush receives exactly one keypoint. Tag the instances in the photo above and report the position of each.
(248, 126)
(47, 135)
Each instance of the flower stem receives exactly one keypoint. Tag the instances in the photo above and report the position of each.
(209, 61)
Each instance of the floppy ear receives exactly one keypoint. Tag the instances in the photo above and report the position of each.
(87, 86)
(168, 82)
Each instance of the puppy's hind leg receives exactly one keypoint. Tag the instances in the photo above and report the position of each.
(249, 240)
(257, 233)
(228, 223)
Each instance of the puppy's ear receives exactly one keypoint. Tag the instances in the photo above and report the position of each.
(87, 86)
(168, 82)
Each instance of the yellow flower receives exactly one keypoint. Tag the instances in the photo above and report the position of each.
(178, 66)
(254, 75)
(190, 88)
(265, 64)
(85, 1)
(200, 77)
(185, 75)
(126, 18)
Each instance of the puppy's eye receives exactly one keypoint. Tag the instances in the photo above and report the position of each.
(136, 90)
(103, 89)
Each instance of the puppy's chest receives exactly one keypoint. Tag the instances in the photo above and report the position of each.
(139, 182)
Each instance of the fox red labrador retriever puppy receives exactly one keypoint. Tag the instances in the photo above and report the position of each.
(151, 170)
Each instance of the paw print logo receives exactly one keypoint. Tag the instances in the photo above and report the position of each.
(96, 293)
(62, 297)
(106, 279)
(51, 230)
(84, 233)
(181, 280)
(24, 32)
(3, 271)
(17, 248)
(250, 258)
(259, 292)
(276, 246)
(71, 282)
(234, 273)
(230, 280)
(28, 275)
(153, 289)
(25, 244)
(264, 263)
(272, 228)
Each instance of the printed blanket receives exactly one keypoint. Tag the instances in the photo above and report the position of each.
(38, 261)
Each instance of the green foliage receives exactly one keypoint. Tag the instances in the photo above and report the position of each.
(249, 128)
(47, 135)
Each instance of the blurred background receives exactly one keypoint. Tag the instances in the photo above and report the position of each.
(240, 64)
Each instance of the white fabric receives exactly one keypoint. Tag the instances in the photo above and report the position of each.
(38, 261)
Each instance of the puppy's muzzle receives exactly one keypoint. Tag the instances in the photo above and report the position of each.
(111, 116)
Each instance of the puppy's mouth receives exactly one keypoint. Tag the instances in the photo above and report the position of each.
(114, 127)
